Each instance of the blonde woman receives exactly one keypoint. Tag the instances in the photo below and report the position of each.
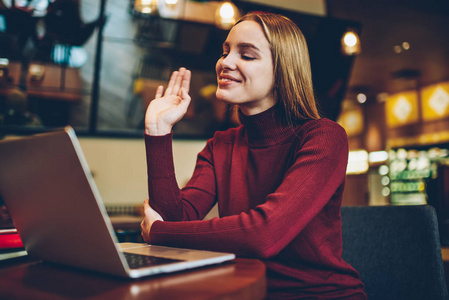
(278, 179)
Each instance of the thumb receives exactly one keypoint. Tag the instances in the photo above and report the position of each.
(146, 205)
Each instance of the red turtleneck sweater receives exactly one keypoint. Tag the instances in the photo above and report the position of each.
(279, 192)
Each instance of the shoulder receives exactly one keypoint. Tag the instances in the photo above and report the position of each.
(229, 136)
(324, 136)
(323, 124)
(222, 141)
(323, 127)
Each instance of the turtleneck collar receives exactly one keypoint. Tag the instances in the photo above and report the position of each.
(266, 128)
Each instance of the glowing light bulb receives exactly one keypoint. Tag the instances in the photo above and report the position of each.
(385, 191)
(361, 98)
(226, 15)
(350, 39)
(227, 11)
(405, 45)
(146, 6)
(383, 170)
(350, 43)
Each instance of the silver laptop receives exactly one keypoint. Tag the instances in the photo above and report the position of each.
(53, 201)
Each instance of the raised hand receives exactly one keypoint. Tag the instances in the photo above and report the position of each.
(164, 111)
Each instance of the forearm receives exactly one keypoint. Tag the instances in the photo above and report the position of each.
(262, 232)
(163, 190)
(218, 234)
(268, 228)
(191, 203)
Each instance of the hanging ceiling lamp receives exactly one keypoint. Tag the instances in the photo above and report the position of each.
(171, 8)
(226, 15)
(171, 3)
(350, 43)
(146, 6)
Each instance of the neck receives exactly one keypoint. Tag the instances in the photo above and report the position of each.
(266, 127)
(250, 109)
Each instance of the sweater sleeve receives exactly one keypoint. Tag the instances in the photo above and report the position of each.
(317, 174)
(164, 194)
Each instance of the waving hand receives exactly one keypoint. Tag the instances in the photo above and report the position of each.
(167, 109)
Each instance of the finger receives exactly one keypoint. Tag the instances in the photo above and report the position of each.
(185, 97)
(145, 235)
(178, 82)
(159, 91)
(171, 83)
(146, 204)
(186, 80)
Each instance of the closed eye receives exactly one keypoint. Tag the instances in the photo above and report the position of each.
(245, 57)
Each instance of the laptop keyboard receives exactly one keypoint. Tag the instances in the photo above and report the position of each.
(136, 261)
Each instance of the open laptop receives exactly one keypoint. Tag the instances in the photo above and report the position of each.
(51, 196)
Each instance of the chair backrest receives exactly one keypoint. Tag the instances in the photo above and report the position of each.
(396, 250)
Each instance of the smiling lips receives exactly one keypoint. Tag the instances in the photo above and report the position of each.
(224, 80)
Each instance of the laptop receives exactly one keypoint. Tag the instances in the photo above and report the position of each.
(54, 203)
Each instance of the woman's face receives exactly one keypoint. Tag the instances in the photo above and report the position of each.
(245, 72)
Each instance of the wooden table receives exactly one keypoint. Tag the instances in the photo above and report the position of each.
(58, 83)
(27, 279)
(14, 72)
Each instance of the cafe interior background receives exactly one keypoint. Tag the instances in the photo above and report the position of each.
(380, 69)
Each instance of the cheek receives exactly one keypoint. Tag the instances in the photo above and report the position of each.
(269, 78)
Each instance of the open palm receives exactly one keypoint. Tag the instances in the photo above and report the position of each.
(164, 111)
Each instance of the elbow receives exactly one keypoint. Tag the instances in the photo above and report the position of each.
(266, 253)
(262, 255)
(264, 250)
(264, 241)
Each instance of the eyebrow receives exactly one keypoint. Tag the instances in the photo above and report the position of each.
(243, 45)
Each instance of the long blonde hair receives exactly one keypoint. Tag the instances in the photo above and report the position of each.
(292, 72)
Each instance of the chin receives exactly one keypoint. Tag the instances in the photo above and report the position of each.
(229, 98)
(222, 96)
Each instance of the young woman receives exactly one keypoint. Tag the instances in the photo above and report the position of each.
(278, 179)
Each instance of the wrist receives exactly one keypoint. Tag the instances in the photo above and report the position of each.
(157, 129)
(153, 230)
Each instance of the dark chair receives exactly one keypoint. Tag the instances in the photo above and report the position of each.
(65, 30)
(396, 250)
(18, 28)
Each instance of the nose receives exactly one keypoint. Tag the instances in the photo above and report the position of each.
(228, 62)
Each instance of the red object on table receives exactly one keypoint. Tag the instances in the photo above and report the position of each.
(10, 239)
